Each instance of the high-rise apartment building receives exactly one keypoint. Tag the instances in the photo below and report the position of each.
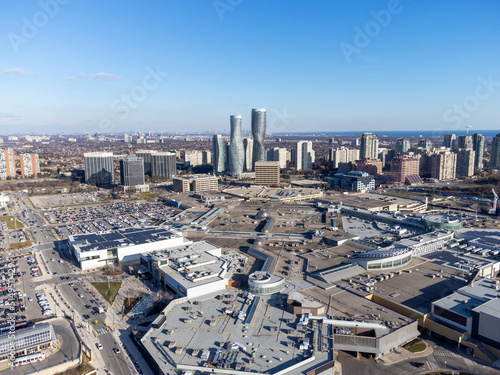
(267, 173)
(193, 157)
(495, 152)
(402, 145)
(131, 170)
(465, 162)
(478, 147)
(30, 165)
(465, 142)
(206, 157)
(99, 168)
(444, 165)
(236, 149)
(304, 155)
(369, 146)
(343, 155)
(7, 164)
(372, 166)
(425, 144)
(163, 165)
(450, 141)
(146, 157)
(258, 132)
(403, 166)
(248, 150)
(219, 153)
(277, 154)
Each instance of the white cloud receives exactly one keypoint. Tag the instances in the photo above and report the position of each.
(104, 76)
(78, 77)
(93, 77)
(14, 71)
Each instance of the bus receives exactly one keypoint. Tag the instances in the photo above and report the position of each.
(26, 360)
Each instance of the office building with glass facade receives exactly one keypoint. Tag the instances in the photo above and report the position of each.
(258, 132)
(163, 165)
(99, 169)
(132, 171)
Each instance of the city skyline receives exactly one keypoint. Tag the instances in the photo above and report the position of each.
(71, 67)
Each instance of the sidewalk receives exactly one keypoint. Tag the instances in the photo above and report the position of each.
(88, 338)
(402, 354)
(130, 287)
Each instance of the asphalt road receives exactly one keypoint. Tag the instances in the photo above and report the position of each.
(445, 356)
(45, 245)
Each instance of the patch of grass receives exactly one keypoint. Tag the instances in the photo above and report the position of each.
(20, 245)
(415, 346)
(11, 222)
(109, 293)
(148, 195)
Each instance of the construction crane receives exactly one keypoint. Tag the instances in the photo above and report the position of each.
(495, 200)
(468, 127)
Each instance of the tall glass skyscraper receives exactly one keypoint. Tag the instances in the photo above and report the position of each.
(258, 132)
(99, 168)
(219, 153)
(236, 150)
(450, 141)
(495, 152)
(402, 146)
(131, 170)
(478, 147)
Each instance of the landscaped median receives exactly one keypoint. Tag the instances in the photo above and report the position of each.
(415, 346)
(108, 290)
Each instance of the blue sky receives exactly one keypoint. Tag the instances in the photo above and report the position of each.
(86, 66)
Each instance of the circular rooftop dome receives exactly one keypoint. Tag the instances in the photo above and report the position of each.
(262, 283)
(443, 221)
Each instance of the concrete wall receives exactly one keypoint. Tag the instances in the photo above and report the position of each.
(57, 368)
(489, 328)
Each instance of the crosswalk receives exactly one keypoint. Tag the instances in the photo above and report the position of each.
(68, 282)
(102, 331)
(442, 353)
(431, 362)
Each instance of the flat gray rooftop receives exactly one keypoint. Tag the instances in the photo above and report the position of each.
(205, 327)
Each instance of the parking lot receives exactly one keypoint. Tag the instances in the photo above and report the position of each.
(99, 218)
(50, 201)
(13, 270)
